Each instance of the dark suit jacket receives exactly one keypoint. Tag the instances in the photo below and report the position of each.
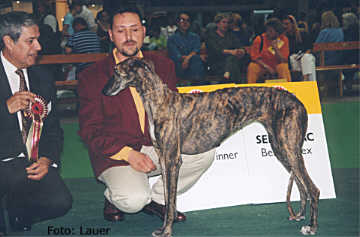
(41, 83)
(108, 123)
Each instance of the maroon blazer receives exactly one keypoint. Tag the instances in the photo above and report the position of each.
(108, 123)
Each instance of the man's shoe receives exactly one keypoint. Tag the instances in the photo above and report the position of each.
(19, 224)
(112, 213)
(154, 208)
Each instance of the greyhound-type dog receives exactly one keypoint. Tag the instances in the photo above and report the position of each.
(195, 123)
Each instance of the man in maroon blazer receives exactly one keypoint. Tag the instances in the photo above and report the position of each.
(115, 129)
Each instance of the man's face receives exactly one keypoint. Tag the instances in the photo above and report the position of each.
(223, 25)
(127, 33)
(184, 22)
(24, 51)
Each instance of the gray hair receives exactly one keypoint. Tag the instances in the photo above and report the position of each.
(11, 24)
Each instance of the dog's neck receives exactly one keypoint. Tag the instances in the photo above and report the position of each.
(153, 92)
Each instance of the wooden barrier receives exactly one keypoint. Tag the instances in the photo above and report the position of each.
(338, 46)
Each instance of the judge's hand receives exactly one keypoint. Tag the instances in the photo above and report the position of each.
(140, 162)
(20, 101)
(39, 169)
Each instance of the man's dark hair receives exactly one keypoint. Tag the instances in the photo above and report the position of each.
(276, 24)
(181, 13)
(130, 9)
(80, 21)
(11, 24)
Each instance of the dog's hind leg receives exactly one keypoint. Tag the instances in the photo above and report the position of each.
(290, 129)
(276, 147)
(303, 197)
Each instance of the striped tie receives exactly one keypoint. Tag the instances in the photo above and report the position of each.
(24, 120)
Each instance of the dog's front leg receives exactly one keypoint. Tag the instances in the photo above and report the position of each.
(170, 161)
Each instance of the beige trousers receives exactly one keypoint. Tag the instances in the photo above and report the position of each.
(129, 190)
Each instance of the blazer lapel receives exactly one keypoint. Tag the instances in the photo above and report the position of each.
(4, 83)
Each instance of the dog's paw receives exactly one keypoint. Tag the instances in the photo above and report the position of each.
(161, 233)
(296, 218)
(308, 230)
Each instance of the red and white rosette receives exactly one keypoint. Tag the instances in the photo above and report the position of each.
(37, 112)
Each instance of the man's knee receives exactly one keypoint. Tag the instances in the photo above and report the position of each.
(283, 71)
(60, 204)
(200, 161)
(253, 72)
(131, 203)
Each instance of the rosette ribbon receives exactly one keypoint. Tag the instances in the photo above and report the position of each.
(37, 112)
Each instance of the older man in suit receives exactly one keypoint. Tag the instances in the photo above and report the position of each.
(33, 189)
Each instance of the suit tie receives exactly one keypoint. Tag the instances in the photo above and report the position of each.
(24, 120)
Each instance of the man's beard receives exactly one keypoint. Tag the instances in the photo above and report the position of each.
(126, 53)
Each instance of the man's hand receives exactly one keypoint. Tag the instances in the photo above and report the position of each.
(20, 101)
(140, 162)
(185, 62)
(39, 169)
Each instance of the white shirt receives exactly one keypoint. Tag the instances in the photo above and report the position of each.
(51, 21)
(88, 17)
(14, 80)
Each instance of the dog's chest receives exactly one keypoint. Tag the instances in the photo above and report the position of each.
(151, 129)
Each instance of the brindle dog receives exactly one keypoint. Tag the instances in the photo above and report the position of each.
(195, 123)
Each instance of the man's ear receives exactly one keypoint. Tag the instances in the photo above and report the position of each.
(8, 42)
(110, 35)
(144, 28)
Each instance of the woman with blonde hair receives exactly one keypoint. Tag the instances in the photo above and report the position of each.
(330, 32)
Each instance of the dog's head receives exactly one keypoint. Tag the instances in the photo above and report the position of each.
(129, 73)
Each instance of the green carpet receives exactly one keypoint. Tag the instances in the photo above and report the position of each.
(337, 217)
(75, 159)
(341, 121)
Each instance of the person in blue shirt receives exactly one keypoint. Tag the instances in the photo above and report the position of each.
(331, 32)
(184, 49)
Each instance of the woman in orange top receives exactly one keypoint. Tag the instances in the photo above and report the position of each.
(269, 53)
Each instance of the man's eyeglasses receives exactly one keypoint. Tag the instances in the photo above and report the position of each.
(184, 20)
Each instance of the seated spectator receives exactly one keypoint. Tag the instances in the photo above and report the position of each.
(50, 44)
(82, 41)
(67, 23)
(236, 27)
(301, 59)
(225, 52)
(82, 11)
(103, 22)
(269, 53)
(156, 40)
(351, 33)
(46, 15)
(169, 28)
(330, 32)
(184, 49)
